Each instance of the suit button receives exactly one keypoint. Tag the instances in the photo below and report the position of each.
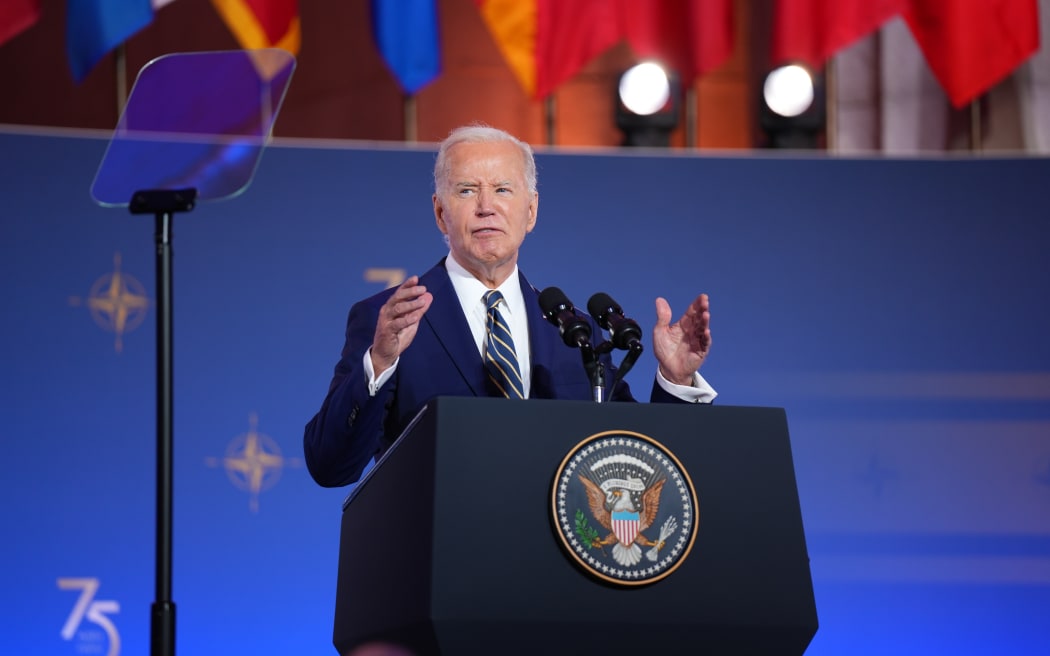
(353, 416)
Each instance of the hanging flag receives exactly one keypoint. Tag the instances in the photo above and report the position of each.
(811, 31)
(970, 45)
(260, 24)
(693, 37)
(94, 27)
(546, 42)
(406, 34)
(513, 27)
(16, 16)
(569, 34)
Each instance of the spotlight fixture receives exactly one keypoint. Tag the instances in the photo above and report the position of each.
(648, 105)
(793, 113)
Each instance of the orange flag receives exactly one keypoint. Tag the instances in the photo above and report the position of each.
(970, 45)
(513, 27)
(262, 23)
(546, 42)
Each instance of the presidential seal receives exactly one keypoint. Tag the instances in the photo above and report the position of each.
(624, 508)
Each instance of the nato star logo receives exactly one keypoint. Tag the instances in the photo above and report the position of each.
(117, 302)
(253, 462)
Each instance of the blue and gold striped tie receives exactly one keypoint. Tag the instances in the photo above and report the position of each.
(501, 360)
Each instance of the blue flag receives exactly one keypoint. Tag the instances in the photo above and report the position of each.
(94, 27)
(406, 33)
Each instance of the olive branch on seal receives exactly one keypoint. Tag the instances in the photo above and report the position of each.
(584, 530)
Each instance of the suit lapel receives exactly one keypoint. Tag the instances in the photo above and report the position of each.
(446, 320)
(543, 340)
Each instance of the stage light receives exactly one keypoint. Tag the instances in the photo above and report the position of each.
(645, 88)
(647, 105)
(792, 113)
(788, 90)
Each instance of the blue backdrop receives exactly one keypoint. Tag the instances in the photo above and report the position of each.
(896, 309)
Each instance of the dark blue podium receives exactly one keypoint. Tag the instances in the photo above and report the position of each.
(449, 546)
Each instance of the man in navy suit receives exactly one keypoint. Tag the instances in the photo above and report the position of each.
(426, 338)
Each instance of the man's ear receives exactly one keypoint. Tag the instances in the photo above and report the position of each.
(534, 208)
(439, 214)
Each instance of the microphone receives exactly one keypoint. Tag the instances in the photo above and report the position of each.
(558, 309)
(624, 333)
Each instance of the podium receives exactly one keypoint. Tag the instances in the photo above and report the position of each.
(450, 545)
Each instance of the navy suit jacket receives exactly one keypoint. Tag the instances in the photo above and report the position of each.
(352, 427)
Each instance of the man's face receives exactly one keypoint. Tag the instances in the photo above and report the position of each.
(486, 209)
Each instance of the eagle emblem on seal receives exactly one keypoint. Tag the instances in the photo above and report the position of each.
(624, 508)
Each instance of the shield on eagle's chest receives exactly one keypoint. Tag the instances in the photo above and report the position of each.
(625, 526)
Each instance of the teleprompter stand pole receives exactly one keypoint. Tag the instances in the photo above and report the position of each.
(163, 204)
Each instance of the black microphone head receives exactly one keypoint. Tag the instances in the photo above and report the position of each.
(600, 306)
(553, 301)
(558, 309)
(625, 333)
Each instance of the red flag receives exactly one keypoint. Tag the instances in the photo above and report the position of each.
(692, 37)
(16, 16)
(970, 45)
(546, 42)
(262, 23)
(569, 34)
(811, 31)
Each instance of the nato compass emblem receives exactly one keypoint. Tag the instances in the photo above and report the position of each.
(624, 508)
(253, 462)
(118, 303)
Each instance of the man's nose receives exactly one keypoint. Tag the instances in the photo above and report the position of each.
(485, 197)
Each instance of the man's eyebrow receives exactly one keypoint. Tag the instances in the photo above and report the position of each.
(501, 183)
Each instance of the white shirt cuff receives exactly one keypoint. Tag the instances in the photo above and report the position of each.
(699, 392)
(375, 383)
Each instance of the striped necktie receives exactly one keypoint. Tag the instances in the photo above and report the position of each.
(501, 360)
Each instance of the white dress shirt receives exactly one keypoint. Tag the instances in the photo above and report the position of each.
(471, 293)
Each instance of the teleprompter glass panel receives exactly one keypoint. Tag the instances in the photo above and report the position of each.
(195, 120)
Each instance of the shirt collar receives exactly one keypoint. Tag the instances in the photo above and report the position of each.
(469, 287)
